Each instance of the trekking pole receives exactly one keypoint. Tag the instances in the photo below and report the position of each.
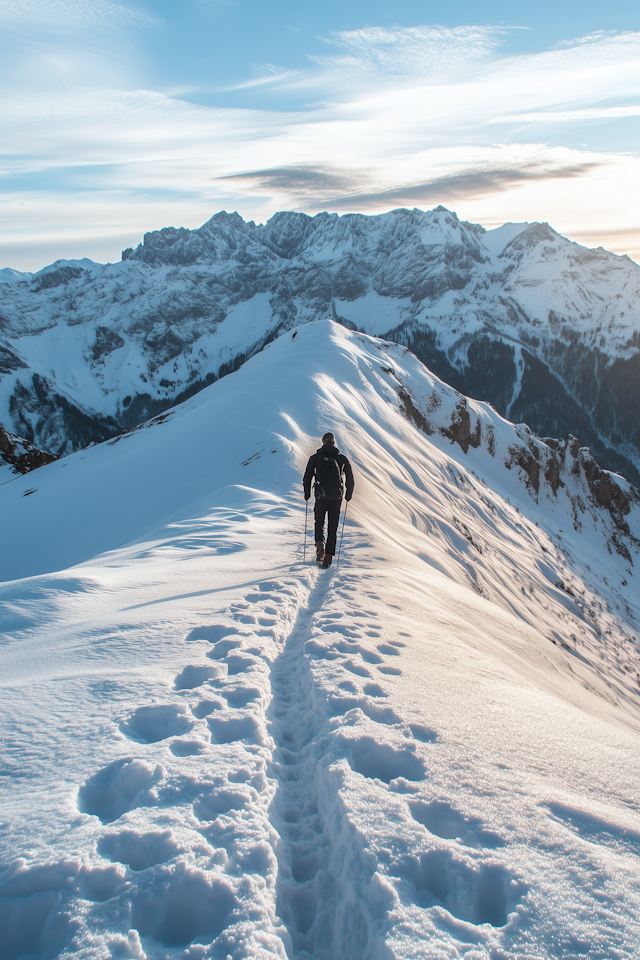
(306, 508)
(344, 517)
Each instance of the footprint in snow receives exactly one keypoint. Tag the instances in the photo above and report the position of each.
(369, 656)
(374, 690)
(239, 664)
(222, 648)
(345, 629)
(475, 894)
(356, 668)
(190, 907)
(119, 787)
(187, 748)
(372, 710)
(444, 820)
(138, 850)
(381, 761)
(194, 676)
(206, 707)
(422, 733)
(229, 730)
(388, 650)
(211, 633)
(209, 806)
(157, 722)
(238, 697)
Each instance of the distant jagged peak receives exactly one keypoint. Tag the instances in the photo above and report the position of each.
(540, 240)
(290, 233)
(82, 264)
(71, 267)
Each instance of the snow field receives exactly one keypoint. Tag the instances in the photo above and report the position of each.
(213, 750)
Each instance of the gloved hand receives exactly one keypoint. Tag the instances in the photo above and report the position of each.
(307, 496)
(348, 497)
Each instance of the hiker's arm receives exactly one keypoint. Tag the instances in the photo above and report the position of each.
(308, 476)
(348, 472)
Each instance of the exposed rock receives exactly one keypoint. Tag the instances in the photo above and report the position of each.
(460, 430)
(490, 433)
(608, 493)
(552, 474)
(523, 457)
(554, 464)
(9, 361)
(21, 455)
(56, 278)
(412, 413)
(39, 412)
(106, 342)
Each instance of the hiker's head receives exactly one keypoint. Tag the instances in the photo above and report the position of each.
(329, 438)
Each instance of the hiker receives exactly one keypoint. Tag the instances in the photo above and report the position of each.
(329, 467)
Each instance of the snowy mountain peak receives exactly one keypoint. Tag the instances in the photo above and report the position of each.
(289, 234)
(545, 330)
(497, 239)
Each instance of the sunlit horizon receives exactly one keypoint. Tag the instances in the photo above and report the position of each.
(123, 118)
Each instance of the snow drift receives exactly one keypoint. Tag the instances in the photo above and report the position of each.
(213, 749)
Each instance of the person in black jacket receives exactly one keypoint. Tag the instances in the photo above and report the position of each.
(322, 464)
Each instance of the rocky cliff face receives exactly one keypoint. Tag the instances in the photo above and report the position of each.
(545, 330)
(551, 470)
(18, 456)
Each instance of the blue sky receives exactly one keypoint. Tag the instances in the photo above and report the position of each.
(120, 117)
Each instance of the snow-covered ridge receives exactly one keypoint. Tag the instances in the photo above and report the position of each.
(213, 748)
(545, 330)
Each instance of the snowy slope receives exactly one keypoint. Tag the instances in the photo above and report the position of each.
(544, 329)
(213, 749)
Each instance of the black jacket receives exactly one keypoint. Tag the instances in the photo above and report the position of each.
(328, 450)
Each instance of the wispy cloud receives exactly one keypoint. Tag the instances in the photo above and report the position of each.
(433, 52)
(316, 187)
(264, 74)
(305, 180)
(398, 117)
(36, 13)
(580, 116)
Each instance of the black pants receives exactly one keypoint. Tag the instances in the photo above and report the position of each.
(330, 508)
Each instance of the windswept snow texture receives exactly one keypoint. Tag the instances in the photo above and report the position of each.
(213, 749)
(544, 329)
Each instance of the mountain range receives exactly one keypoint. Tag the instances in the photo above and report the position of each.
(545, 330)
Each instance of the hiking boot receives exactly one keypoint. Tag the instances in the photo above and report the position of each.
(319, 552)
(326, 563)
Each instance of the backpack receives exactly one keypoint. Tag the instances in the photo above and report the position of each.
(329, 484)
